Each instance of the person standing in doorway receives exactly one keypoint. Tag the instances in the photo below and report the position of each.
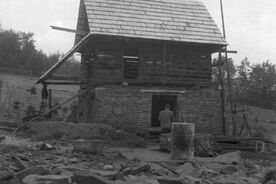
(166, 117)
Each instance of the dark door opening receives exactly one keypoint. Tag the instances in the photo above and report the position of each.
(158, 104)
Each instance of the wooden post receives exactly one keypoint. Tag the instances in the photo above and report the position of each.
(50, 102)
(221, 83)
(182, 143)
(164, 59)
(232, 109)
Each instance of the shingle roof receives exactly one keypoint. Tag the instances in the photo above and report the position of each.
(185, 21)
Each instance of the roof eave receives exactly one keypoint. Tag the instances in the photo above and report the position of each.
(220, 44)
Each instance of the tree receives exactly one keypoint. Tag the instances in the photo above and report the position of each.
(27, 47)
(18, 52)
(243, 70)
(242, 81)
(254, 84)
(9, 49)
(262, 78)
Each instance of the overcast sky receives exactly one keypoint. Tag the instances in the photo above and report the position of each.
(250, 24)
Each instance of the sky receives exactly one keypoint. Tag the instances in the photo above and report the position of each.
(250, 24)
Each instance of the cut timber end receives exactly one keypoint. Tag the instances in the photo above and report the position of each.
(182, 144)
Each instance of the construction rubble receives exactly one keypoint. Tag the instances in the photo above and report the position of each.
(62, 160)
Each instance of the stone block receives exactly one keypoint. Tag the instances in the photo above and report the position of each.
(229, 170)
(39, 170)
(185, 169)
(85, 177)
(229, 158)
(169, 181)
(88, 146)
(49, 179)
(6, 176)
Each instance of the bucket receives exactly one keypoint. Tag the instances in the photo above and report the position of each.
(165, 142)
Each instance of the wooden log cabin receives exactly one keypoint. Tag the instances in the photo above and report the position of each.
(137, 56)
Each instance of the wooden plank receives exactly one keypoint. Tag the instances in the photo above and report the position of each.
(58, 106)
(69, 30)
(154, 82)
(235, 138)
(178, 72)
(178, 77)
(237, 147)
(65, 77)
(228, 51)
(50, 102)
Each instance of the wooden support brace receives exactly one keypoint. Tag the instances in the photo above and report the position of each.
(69, 30)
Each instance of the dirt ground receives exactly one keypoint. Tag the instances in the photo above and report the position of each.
(52, 161)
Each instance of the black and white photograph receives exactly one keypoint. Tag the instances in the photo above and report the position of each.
(137, 92)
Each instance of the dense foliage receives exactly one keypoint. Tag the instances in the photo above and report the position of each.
(17, 51)
(253, 84)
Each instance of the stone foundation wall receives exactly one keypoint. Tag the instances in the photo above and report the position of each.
(202, 107)
(130, 107)
(123, 107)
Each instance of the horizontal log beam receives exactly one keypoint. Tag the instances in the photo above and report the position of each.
(228, 51)
(64, 78)
(54, 82)
(154, 82)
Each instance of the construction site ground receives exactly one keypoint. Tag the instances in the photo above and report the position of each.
(29, 160)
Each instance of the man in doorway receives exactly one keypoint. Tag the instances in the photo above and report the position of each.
(166, 117)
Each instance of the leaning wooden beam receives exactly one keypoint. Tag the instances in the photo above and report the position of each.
(56, 66)
(52, 109)
(69, 30)
(60, 105)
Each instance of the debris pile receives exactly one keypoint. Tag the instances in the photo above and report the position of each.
(55, 162)
(71, 155)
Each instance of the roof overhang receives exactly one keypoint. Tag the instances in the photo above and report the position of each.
(56, 66)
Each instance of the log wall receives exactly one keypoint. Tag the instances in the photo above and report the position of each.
(118, 61)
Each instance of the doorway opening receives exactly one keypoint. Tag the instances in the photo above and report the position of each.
(158, 104)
